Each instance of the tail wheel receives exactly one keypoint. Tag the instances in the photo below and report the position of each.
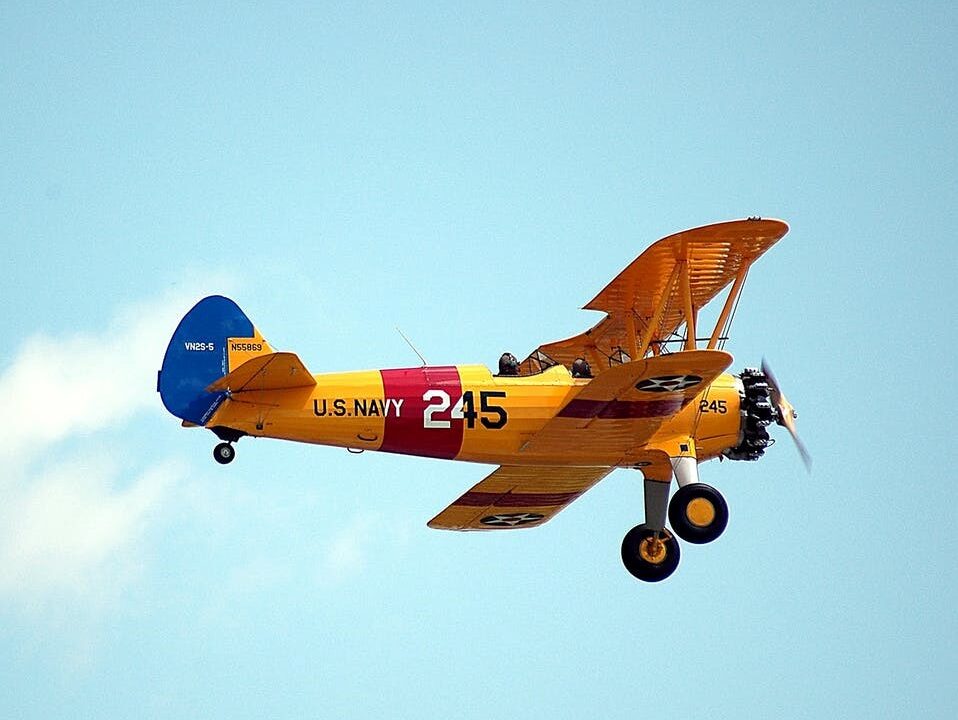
(648, 555)
(224, 453)
(698, 513)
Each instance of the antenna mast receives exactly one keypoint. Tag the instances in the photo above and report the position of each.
(409, 343)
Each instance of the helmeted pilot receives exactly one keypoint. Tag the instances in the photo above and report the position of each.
(581, 368)
(508, 365)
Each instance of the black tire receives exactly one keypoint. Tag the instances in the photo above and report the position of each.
(636, 562)
(224, 453)
(712, 516)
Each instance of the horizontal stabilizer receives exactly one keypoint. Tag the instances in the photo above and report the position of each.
(276, 371)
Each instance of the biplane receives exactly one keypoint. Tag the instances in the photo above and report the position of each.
(639, 390)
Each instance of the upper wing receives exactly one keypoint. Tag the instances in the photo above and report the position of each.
(276, 371)
(618, 412)
(518, 496)
(649, 300)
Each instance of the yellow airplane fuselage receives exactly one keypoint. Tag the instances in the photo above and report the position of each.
(461, 413)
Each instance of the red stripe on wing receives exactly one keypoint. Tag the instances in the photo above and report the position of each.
(513, 500)
(623, 409)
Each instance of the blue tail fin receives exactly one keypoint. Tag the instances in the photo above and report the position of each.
(198, 355)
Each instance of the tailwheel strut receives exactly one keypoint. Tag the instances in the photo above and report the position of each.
(224, 453)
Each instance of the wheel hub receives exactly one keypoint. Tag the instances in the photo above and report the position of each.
(652, 550)
(700, 512)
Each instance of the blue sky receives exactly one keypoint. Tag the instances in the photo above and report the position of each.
(473, 175)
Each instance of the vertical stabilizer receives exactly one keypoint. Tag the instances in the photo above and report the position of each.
(212, 339)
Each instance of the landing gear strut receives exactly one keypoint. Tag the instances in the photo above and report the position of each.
(649, 551)
(224, 453)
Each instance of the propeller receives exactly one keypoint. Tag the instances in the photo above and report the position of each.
(786, 413)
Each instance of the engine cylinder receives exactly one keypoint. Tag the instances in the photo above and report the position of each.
(757, 413)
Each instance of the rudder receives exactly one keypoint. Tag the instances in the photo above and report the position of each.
(212, 338)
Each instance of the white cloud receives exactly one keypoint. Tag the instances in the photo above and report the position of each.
(72, 524)
(346, 552)
(345, 555)
(72, 530)
(57, 386)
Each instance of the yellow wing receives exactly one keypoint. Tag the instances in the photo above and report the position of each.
(518, 496)
(653, 296)
(619, 411)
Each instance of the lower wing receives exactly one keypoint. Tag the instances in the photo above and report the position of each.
(518, 496)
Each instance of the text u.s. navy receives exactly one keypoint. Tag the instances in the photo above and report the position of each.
(361, 407)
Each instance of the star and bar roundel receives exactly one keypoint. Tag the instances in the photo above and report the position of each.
(511, 519)
(668, 383)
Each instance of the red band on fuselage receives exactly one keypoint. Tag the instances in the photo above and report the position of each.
(424, 425)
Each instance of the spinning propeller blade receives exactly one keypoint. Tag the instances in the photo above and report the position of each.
(786, 413)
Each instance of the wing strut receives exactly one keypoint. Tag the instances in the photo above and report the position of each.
(690, 311)
(656, 320)
(730, 302)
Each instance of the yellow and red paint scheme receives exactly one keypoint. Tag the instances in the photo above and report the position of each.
(466, 413)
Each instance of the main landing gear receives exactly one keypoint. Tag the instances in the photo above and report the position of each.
(697, 514)
(650, 555)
